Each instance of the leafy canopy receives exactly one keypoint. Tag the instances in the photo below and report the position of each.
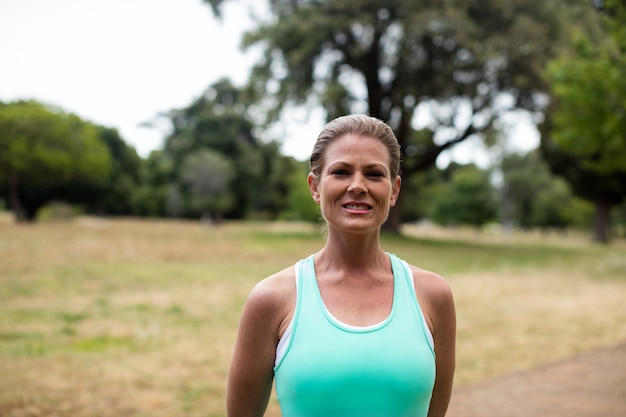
(589, 116)
(584, 136)
(455, 66)
(41, 145)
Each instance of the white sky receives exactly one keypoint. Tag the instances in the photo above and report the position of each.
(121, 62)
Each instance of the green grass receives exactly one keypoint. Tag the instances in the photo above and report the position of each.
(138, 318)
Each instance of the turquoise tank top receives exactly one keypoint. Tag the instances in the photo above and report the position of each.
(330, 369)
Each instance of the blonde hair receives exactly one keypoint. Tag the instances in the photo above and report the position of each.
(357, 124)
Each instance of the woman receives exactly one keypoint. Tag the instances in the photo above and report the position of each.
(351, 330)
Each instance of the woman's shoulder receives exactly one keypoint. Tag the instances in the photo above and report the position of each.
(273, 298)
(426, 277)
(432, 288)
(429, 281)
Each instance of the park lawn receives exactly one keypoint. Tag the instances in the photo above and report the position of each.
(128, 317)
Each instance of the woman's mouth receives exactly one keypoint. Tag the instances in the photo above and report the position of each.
(357, 207)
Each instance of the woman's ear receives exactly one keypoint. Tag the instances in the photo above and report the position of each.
(313, 187)
(395, 190)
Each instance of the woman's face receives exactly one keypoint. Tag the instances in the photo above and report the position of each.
(355, 189)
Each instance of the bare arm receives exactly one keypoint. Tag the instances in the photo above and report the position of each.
(437, 301)
(251, 370)
(445, 342)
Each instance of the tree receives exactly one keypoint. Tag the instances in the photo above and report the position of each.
(523, 177)
(464, 63)
(44, 152)
(116, 196)
(156, 192)
(113, 195)
(468, 199)
(422, 189)
(219, 121)
(531, 196)
(300, 205)
(271, 200)
(207, 175)
(554, 206)
(584, 136)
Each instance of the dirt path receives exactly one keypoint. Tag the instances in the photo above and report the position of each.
(589, 385)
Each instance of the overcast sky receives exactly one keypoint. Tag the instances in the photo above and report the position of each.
(121, 62)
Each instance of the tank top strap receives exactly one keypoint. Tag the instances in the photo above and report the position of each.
(306, 282)
(404, 276)
(305, 273)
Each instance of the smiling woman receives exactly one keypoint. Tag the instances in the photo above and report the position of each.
(351, 330)
(359, 165)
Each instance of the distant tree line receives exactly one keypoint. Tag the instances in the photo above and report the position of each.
(213, 167)
(461, 65)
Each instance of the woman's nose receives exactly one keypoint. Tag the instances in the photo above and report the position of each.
(357, 184)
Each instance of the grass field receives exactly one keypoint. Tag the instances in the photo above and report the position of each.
(138, 318)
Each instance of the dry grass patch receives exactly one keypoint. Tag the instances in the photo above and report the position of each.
(508, 323)
(138, 318)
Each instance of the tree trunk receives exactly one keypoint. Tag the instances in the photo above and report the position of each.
(602, 222)
(14, 199)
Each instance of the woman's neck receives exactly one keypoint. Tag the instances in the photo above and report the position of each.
(352, 252)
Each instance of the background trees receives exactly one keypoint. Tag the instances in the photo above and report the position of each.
(466, 199)
(531, 197)
(299, 204)
(114, 195)
(206, 176)
(155, 195)
(45, 153)
(214, 156)
(438, 72)
(584, 136)
(458, 66)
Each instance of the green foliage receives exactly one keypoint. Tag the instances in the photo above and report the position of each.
(116, 196)
(584, 136)
(155, 178)
(419, 192)
(468, 199)
(43, 145)
(522, 177)
(531, 196)
(619, 218)
(58, 210)
(465, 63)
(43, 150)
(615, 21)
(207, 175)
(300, 204)
(218, 121)
(274, 195)
(552, 207)
(402, 50)
(589, 116)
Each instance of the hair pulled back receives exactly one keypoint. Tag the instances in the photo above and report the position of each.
(361, 125)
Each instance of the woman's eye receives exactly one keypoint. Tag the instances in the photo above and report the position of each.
(340, 172)
(376, 174)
